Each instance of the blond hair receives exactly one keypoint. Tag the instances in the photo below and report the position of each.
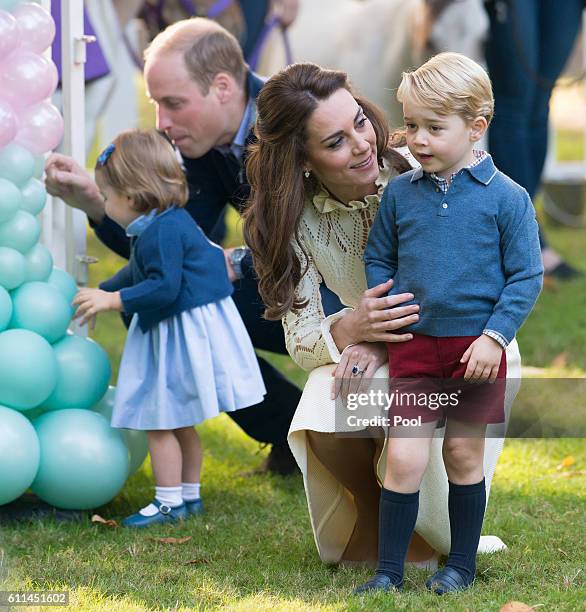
(207, 49)
(450, 83)
(143, 165)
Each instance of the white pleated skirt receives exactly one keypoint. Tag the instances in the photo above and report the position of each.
(187, 369)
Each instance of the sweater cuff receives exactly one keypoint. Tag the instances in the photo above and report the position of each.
(326, 324)
(496, 336)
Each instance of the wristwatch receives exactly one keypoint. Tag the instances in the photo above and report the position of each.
(236, 257)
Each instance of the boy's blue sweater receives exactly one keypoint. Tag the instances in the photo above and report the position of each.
(173, 267)
(470, 257)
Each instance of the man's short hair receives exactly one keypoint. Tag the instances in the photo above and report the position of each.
(450, 83)
(207, 49)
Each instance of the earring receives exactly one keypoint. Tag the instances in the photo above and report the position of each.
(306, 173)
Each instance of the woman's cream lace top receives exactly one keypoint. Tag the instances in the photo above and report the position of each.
(334, 235)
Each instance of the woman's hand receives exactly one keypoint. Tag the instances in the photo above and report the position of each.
(90, 302)
(357, 366)
(376, 317)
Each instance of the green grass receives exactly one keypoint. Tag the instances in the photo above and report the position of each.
(254, 550)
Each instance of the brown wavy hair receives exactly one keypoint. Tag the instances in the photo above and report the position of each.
(274, 168)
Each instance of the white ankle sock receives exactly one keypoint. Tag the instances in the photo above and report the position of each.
(170, 496)
(190, 491)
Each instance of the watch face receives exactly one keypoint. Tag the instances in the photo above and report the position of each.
(238, 255)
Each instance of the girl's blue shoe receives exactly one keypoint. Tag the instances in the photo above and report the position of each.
(195, 506)
(165, 514)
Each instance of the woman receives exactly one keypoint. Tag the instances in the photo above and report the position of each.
(317, 172)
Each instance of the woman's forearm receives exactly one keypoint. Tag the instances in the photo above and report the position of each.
(343, 331)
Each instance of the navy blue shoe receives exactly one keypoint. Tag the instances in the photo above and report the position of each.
(194, 507)
(166, 514)
(448, 580)
(379, 582)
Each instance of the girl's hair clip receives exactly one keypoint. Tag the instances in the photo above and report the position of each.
(105, 154)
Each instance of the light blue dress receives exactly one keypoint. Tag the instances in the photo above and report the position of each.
(188, 368)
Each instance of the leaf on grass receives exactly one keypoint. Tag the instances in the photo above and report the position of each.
(516, 606)
(567, 462)
(196, 561)
(573, 474)
(560, 361)
(550, 284)
(172, 540)
(96, 518)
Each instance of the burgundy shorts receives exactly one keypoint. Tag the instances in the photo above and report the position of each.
(428, 381)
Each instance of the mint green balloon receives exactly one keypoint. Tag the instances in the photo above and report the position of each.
(28, 369)
(136, 441)
(83, 374)
(38, 263)
(8, 5)
(83, 462)
(5, 309)
(64, 282)
(39, 166)
(16, 164)
(10, 200)
(41, 308)
(12, 268)
(34, 196)
(19, 454)
(21, 232)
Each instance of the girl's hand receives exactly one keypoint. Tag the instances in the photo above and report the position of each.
(90, 302)
(484, 358)
(367, 357)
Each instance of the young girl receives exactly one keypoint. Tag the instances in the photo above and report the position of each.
(187, 356)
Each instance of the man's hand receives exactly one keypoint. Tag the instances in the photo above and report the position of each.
(90, 302)
(484, 358)
(285, 10)
(231, 274)
(67, 180)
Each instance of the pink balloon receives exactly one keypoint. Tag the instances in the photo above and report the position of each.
(8, 34)
(36, 27)
(8, 125)
(41, 128)
(26, 79)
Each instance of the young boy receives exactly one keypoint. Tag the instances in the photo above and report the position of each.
(462, 237)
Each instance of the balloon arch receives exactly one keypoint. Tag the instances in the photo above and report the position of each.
(55, 403)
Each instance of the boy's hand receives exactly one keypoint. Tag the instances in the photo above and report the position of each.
(90, 302)
(484, 358)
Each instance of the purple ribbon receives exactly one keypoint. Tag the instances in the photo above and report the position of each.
(268, 27)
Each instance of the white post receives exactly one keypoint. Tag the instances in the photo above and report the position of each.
(73, 53)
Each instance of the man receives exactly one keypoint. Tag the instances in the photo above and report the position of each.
(204, 97)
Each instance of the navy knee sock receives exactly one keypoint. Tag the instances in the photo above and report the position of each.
(397, 517)
(466, 504)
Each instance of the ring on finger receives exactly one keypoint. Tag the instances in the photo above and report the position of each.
(356, 370)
